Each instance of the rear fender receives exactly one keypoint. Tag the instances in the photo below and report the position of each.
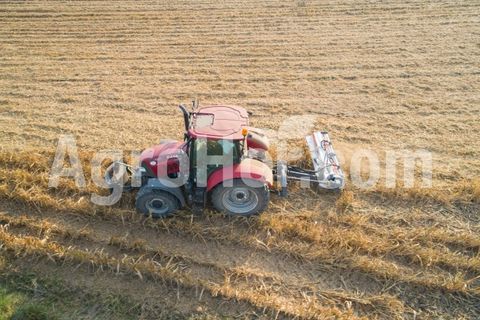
(158, 184)
(248, 169)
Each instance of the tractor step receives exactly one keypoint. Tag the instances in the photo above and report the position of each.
(199, 200)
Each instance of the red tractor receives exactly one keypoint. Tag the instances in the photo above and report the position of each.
(222, 159)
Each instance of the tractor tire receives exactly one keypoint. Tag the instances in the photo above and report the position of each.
(240, 199)
(156, 203)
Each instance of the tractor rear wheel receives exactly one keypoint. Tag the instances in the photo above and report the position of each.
(241, 199)
(157, 203)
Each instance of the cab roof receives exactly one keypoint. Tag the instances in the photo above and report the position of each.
(218, 122)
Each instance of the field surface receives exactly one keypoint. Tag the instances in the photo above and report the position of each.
(386, 75)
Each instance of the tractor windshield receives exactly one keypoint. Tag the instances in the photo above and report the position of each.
(230, 149)
(221, 147)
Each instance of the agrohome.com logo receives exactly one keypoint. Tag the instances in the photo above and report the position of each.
(367, 168)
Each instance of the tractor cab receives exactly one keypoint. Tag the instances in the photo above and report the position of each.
(216, 131)
(222, 130)
(224, 127)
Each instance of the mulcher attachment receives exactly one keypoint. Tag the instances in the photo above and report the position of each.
(325, 162)
(326, 174)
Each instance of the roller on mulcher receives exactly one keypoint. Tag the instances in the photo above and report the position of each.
(222, 160)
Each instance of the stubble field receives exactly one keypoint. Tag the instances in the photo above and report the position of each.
(388, 75)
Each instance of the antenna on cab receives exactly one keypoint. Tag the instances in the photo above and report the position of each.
(195, 104)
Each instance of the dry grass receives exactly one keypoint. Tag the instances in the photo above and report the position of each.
(383, 76)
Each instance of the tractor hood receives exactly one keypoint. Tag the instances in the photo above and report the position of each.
(163, 148)
(155, 159)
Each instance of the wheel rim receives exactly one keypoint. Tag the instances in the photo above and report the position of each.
(240, 200)
(157, 206)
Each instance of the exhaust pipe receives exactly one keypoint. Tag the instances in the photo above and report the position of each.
(186, 117)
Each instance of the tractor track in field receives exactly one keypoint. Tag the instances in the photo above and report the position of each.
(155, 296)
(138, 282)
(282, 279)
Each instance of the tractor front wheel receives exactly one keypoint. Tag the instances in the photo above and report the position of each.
(157, 203)
(242, 199)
